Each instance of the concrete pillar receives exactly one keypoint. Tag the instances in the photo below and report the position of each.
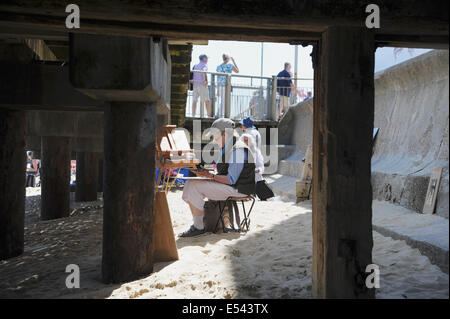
(129, 188)
(55, 177)
(343, 125)
(12, 182)
(87, 176)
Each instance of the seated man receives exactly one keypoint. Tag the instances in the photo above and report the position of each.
(235, 176)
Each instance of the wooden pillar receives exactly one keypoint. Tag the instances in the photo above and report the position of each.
(87, 176)
(343, 125)
(100, 174)
(129, 190)
(55, 176)
(12, 182)
(134, 81)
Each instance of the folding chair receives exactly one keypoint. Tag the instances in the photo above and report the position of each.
(231, 202)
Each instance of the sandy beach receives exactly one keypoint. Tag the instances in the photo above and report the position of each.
(273, 260)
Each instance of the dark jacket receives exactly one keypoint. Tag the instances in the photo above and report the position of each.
(246, 181)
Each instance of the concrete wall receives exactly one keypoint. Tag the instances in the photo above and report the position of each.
(295, 134)
(412, 114)
(411, 110)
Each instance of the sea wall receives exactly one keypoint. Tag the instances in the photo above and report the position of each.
(411, 112)
(295, 133)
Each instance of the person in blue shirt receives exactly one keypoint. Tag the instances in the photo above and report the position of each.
(225, 67)
(284, 87)
(235, 175)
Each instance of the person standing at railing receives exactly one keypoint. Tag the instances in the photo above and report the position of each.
(225, 67)
(284, 87)
(200, 86)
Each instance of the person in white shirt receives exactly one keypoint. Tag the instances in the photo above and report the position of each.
(248, 127)
(262, 190)
(249, 140)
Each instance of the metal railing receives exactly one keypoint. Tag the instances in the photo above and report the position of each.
(237, 96)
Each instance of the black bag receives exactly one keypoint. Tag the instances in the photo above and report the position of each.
(263, 191)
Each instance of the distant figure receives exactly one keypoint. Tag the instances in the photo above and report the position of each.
(284, 88)
(308, 96)
(200, 86)
(32, 170)
(249, 128)
(225, 67)
(256, 104)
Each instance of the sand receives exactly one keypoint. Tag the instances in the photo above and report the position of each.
(273, 260)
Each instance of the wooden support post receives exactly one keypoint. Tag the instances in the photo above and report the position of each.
(342, 192)
(55, 177)
(129, 190)
(100, 174)
(87, 176)
(12, 182)
(136, 80)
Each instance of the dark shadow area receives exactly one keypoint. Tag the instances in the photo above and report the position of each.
(40, 272)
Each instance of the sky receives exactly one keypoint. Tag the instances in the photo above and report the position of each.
(248, 57)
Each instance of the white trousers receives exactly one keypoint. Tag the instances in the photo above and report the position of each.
(195, 192)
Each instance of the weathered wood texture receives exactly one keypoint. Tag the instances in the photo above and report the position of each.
(87, 176)
(100, 174)
(139, 70)
(55, 177)
(129, 190)
(12, 182)
(278, 21)
(342, 200)
(181, 62)
(165, 247)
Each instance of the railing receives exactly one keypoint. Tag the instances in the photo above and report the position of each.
(237, 96)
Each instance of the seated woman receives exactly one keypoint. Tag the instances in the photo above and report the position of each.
(262, 190)
(235, 176)
(249, 140)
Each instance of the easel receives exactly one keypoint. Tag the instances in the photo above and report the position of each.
(173, 152)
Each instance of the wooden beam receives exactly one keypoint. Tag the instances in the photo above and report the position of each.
(342, 192)
(40, 48)
(408, 16)
(280, 21)
(412, 41)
